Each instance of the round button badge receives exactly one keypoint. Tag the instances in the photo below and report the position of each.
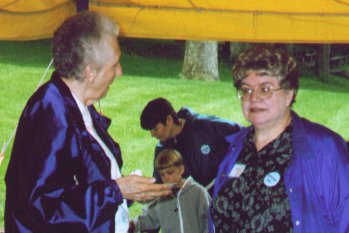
(271, 179)
(205, 149)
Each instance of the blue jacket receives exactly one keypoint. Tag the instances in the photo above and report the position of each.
(316, 181)
(201, 143)
(58, 178)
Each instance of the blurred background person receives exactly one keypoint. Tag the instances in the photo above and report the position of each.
(199, 138)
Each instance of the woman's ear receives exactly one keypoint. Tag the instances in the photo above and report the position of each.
(289, 96)
(90, 73)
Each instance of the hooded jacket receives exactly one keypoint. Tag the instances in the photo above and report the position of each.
(189, 207)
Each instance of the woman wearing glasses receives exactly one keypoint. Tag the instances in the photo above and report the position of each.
(283, 173)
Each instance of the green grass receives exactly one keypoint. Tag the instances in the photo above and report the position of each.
(148, 73)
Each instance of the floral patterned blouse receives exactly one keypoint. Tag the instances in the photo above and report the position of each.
(254, 197)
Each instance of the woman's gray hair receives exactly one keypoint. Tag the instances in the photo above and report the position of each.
(78, 41)
(267, 60)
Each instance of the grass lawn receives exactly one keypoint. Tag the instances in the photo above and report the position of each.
(146, 76)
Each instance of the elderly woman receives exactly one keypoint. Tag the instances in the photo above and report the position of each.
(64, 172)
(283, 173)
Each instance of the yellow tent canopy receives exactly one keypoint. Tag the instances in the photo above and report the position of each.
(32, 19)
(296, 21)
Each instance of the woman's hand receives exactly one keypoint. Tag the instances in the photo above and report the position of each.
(139, 188)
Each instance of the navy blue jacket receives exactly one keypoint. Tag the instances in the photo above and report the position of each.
(316, 181)
(201, 143)
(58, 178)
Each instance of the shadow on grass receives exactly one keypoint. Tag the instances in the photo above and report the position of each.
(147, 58)
(153, 48)
(26, 53)
(152, 58)
(143, 58)
(335, 84)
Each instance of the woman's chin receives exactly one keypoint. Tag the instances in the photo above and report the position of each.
(257, 120)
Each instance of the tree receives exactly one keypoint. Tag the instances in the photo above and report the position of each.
(201, 60)
(323, 61)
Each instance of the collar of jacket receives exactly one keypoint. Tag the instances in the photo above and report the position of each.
(300, 143)
(69, 100)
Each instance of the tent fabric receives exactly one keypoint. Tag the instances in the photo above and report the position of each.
(32, 19)
(296, 21)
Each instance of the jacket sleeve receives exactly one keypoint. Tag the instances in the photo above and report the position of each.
(148, 220)
(335, 183)
(57, 179)
(325, 165)
(204, 202)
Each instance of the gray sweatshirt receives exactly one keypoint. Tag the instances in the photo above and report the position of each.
(189, 209)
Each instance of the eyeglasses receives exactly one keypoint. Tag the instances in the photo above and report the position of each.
(264, 91)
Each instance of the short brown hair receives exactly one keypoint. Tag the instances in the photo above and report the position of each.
(267, 59)
(168, 158)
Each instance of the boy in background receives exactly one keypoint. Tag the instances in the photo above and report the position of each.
(185, 210)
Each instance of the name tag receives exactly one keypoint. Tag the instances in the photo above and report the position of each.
(271, 179)
(237, 170)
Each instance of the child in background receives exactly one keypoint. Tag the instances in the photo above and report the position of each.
(185, 211)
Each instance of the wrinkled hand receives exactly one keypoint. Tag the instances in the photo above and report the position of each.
(139, 188)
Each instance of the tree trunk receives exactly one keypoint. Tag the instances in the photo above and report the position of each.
(201, 61)
(323, 62)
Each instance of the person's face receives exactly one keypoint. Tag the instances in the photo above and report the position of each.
(265, 112)
(162, 132)
(104, 77)
(172, 174)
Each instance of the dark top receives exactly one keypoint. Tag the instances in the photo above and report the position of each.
(254, 198)
(201, 143)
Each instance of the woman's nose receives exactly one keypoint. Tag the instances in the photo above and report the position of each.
(254, 95)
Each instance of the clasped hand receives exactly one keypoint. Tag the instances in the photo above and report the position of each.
(139, 188)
